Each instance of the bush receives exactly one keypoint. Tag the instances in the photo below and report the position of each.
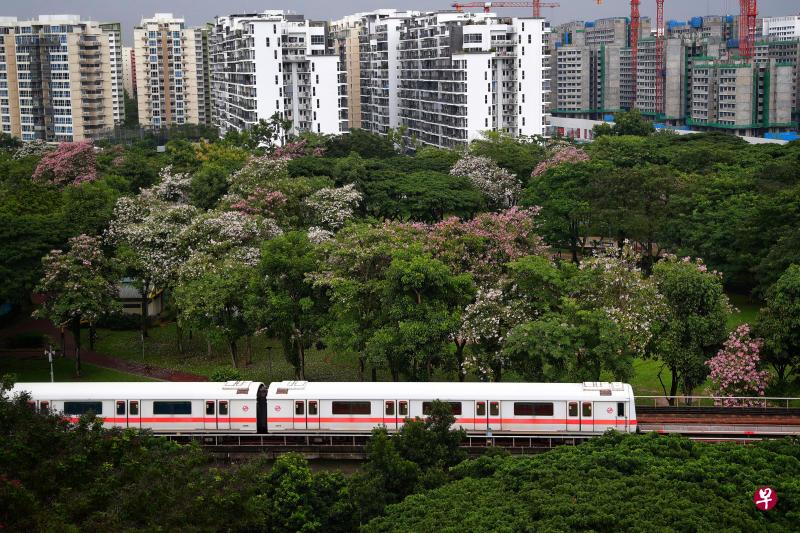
(226, 374)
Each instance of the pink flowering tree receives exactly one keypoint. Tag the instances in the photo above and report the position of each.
(293, 150)
(734, 370)
(560, 154)
(501, 187)
(77, 287)
(262, 202)
(69, 164)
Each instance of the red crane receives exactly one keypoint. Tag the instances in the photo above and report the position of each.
(748, 15)
(660, 36)
(537, 6)
(634, 43)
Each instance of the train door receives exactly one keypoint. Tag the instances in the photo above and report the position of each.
(481, 416)
(299, 414)
(610, 415)
(312, 418)
(210, 417)
(495, 420)
(120, 413)
(573, 416)
(224, 414)
(402, 412)
(587, 416)
(390, 414)
(134, 414)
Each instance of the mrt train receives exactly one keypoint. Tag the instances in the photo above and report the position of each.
(303, 407)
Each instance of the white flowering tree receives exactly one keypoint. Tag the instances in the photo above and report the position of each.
(484, 326)
(77, 287)
(147, 233)
(173, 187)
(221, 233)
(501, 187)
(333, 207)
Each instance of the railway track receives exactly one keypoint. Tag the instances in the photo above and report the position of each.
(711, 424)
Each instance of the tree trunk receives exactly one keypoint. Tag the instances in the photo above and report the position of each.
(179, 335)
(145, 309)
(92, 334)
(234, 360)
(301, 353)
(76, 333)
(63, 342)
(361, 365)
(249, 345)
(460, 360)
(208, 341)
(673, 387)
(375, 374)
(395, 374)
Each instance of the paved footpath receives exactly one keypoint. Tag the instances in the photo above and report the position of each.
(95, 358)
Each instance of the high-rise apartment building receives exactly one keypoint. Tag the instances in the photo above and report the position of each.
(127, 71)
(274, 63)
(343, 41)
(781, 28)
(113, 31)
(56, 79)
(464, 73)
(171, 71)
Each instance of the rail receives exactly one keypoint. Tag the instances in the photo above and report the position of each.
(717, 401)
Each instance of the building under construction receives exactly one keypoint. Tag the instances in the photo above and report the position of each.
(709, 79)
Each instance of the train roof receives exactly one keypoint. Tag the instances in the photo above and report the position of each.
(141, 390)
(447, 390)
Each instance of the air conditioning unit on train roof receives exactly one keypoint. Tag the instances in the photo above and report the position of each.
(603, 385)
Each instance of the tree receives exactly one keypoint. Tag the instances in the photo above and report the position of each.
(734, 370)
(517, 154)
(420, 304)
(779, 324)
(500, 187)
(76, 287)
(213, 297)
(208, 185)
(626, 123)
(694, 325)
(69, 164)
(332, 207)
(284, 300)
(560, 153)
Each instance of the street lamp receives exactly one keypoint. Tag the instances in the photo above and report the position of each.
(50, 353)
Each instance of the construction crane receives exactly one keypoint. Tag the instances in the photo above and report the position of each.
(660, 36)
(537, 6)
(748, 13)
(634, 43)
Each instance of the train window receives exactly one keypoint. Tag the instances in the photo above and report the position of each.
(312, 407)
(32, 405)
(210, 408)
(390, 408)
(402, 408)
(480, 409)
(44, 407)
(494, 408)
(172, 408)
(351, 408)
(620, 409)
(573, 409)
(455, 407)
(120, 408)
(223, 408)
(587, 408)
(134, 408)
(299, 408)
(533, 409)
(81, 408)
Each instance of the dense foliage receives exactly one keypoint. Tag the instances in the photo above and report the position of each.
(612, 483)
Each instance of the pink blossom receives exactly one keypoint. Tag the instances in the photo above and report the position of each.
(69, 164)
(734, 370)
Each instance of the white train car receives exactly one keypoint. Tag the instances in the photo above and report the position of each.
(166, 407)
(503, 408)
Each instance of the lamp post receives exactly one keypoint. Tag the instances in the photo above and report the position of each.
(50, 353)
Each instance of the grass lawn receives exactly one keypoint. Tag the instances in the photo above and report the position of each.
(268, 363)
(746, 310)
(38, 369)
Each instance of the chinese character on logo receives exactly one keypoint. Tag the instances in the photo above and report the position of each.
(765, 498)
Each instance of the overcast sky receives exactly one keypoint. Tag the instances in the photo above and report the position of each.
(129, 12)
